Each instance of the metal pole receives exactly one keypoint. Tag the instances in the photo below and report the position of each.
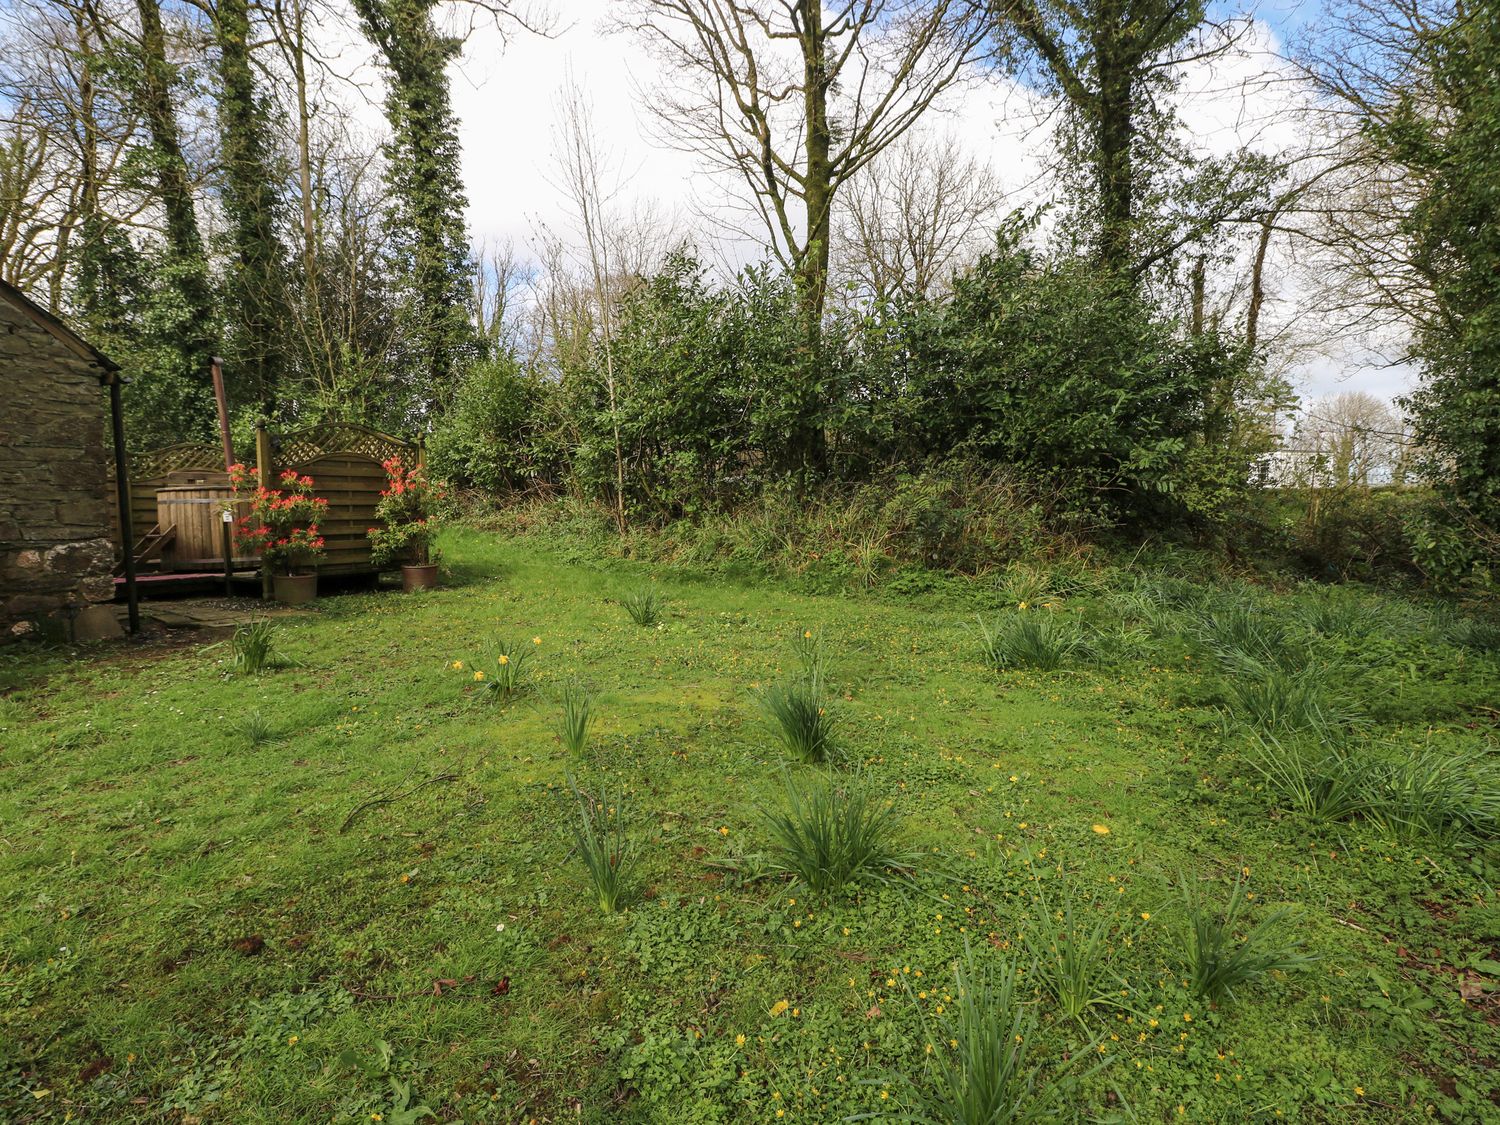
(223, 401)
(228, 554)
(265, 473)
(122, 490)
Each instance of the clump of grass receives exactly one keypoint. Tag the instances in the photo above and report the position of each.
(798, 713)
(808, 646)
(835, 833)
(1441, 797)
(252, 648)
(1041, 640)
(980, 1070)
(1314, 778)
(797, 709)
(1242, 635)
(577, 718)
(1334, 613)
(644, 605)
(1221, 954)
(1282, 701)
(504, 677)
(1477, 633)
(599, 833)
(1071, 955)
(254, 728)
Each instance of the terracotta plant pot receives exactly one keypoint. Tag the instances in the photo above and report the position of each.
(294, 589)
(419, 577)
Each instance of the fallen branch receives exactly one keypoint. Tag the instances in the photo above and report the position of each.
(388, 797)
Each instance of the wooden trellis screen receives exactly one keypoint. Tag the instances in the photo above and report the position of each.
(344, 460)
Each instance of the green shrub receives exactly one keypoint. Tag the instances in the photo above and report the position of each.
(1056, 368)
(493, 438)
(1220, 958)
(1032, 639)
(834, 833)
(1354, 533)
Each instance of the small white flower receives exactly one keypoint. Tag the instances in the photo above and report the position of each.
(499, 927)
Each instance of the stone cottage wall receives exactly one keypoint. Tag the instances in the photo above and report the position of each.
(56, 552)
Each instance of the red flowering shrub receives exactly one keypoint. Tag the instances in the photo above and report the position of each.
(282, 524)
(408, 511)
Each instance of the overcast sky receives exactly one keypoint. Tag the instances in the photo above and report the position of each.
(505, 95)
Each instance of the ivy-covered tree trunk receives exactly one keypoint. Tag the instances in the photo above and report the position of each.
(427, 206)
(1115, 136)
(183, 328)
(812, 269)
(1447, 133)
(257, 283)
(98, 294)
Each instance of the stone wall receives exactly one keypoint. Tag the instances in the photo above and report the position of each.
(56, 551)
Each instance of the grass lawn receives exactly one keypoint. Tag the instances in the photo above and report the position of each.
(348, 890)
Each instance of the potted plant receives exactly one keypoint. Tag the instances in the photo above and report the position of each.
(282, 527)
(409, 514)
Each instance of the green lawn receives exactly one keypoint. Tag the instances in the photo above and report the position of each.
(205, 922)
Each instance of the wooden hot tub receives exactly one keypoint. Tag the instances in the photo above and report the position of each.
(193, 502)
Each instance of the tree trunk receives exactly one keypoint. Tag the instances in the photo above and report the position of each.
(817, 194)
(194, 341)
(1116, 171)
(250, 201)
(818, 187)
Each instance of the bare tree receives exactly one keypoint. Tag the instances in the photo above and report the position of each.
(794, 98)
(68, 136)
(912, 218)
(1349, 440)
(499, 282)
(581, 167)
